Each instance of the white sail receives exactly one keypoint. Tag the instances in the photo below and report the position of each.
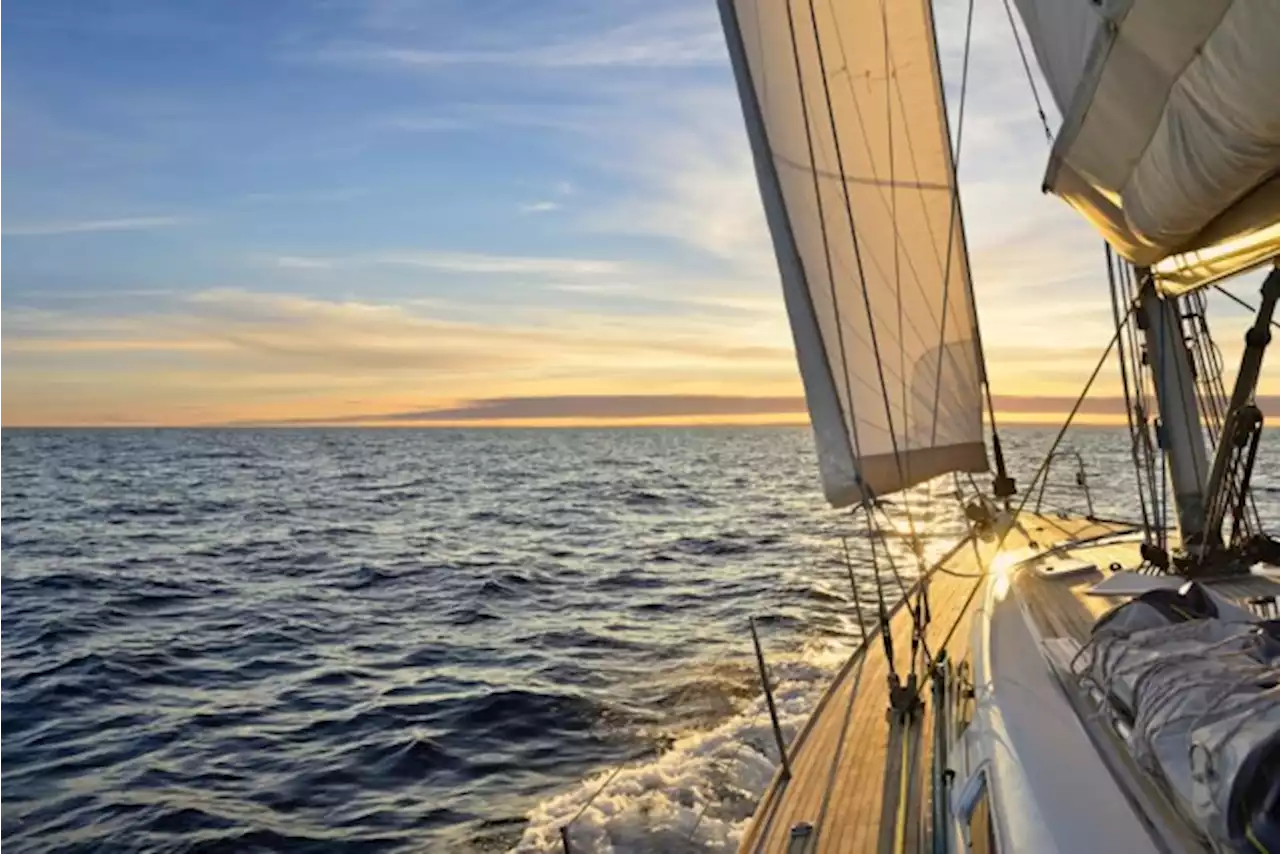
(1170, 142)
(844, 109)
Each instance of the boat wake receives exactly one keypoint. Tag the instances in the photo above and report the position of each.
(697, 795)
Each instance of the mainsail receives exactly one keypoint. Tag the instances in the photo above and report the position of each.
(1170, 141)
(844, 109)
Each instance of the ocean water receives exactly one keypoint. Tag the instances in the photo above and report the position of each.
(429, 640)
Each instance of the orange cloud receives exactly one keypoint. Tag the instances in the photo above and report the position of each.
(230, 356)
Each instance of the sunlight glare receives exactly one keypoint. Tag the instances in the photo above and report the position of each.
(1002, 566)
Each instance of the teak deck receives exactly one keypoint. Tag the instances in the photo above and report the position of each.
(848, 763)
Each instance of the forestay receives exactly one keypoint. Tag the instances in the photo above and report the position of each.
(843, 104)
(1170, 142)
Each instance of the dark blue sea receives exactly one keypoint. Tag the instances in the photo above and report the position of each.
(428, 640)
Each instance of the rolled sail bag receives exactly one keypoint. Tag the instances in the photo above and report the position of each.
(1202, 695)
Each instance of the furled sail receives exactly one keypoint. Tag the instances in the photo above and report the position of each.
(1170, 141)
(844, 109)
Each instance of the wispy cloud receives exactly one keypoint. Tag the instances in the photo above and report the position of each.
(137, 223)
(688, 173)
(334, 194)
(606, 288)
(458, 262)
(429, 124)
(259, 355)
(678, 157)
(300, 262)
(677, 38)
(572, 117)
(229, 355)
(546, 206)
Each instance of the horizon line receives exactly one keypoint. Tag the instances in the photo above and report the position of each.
(622, 410)
(527, 424)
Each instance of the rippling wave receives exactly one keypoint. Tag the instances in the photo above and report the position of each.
(423, 640)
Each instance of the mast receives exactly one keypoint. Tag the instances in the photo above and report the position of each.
(1181, 436)
(1170, 147)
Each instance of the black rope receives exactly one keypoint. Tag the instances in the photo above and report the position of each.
(857, 250)
(1242, 303)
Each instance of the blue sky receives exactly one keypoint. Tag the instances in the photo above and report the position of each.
(231, 211)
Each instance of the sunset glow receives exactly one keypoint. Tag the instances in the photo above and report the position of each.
(398, 219)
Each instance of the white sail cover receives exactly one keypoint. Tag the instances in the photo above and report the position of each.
(1170, 142)
(843, 103)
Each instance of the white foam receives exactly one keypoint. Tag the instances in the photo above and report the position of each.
(699, 794)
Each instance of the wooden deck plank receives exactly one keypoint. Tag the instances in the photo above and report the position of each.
(839, 763)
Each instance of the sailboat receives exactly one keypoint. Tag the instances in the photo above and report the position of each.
(1055, 683)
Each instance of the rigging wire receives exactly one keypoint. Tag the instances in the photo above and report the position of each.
(953, 223)
(1246, 513)
(1141, 380)
(954, 214)
(1027, 494)
(853, 588)
(1039, 473)
(881, 195)
(904, 472)
(1031, 80)
(918, 610)
(886, 630)
(1213, 396)
(1070, 417)
(857, 250)
(868, 500)
(1124, 379)
(1208, 366)
(893, 217)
